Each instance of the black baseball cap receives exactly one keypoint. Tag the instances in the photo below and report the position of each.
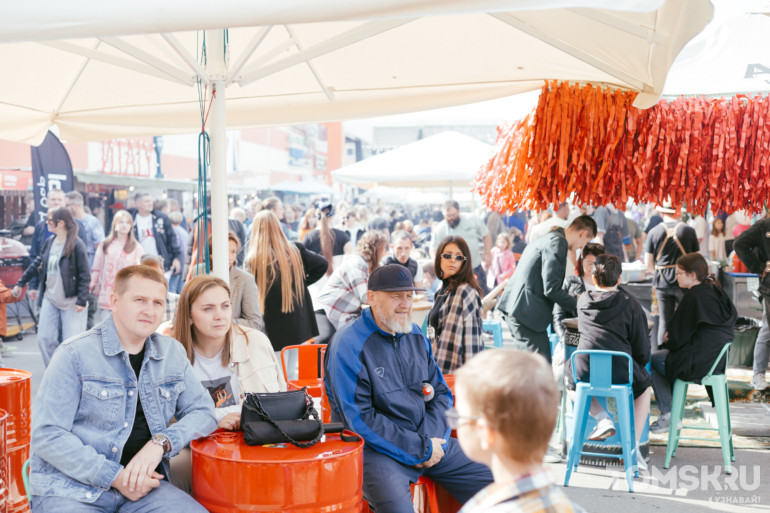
(391, 278)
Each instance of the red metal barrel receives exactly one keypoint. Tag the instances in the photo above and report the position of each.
(230, 476)
(3, 465)
(15, 395)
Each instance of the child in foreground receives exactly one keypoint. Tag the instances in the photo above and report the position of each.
(495, 390)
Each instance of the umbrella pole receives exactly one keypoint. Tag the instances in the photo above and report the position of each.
(218, 134)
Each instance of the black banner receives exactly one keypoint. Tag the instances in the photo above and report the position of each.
(51, 169)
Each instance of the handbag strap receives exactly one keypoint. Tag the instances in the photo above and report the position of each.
(309, 411)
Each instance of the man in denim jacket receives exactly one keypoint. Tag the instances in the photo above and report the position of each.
(101, 438)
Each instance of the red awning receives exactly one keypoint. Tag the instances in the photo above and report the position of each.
(15, 181)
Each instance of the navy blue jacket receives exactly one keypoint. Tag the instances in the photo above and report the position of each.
(374, 383)
(74, 269)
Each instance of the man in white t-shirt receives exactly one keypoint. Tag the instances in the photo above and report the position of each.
(156, 234)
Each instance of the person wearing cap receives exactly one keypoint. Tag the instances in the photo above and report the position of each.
(665, 243)
(383, 384)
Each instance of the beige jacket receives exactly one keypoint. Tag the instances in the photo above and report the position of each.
(253, 360)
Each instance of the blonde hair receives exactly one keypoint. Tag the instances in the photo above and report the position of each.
(183, 326)
(131, 241)
(270, 255)
(516, 393)
(144, 271)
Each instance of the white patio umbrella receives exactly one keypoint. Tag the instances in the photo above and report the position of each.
(101, 70)
(736, 44)
(446, 159)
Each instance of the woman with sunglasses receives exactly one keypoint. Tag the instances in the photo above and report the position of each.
(455, 319)
(63, 270)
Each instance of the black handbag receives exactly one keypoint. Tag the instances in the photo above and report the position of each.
(281, 417)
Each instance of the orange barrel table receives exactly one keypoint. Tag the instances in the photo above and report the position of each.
(15, 392)
(3, 465)
(230, 476)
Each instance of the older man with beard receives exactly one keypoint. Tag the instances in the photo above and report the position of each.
(383, 383)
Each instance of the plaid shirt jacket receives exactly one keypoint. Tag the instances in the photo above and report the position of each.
(530, 493)
(345, 292)
(458, 336)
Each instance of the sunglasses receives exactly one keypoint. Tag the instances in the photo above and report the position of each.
(454, 419)
(459, 258)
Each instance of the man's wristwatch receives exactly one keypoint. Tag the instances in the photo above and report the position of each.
(163, 441)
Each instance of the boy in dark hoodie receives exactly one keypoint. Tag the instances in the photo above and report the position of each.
(612, 320)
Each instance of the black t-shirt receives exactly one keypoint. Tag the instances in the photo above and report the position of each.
(687, 237)
(140, 432)
(312, 241)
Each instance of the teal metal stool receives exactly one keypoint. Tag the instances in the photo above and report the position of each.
(600, 385)
(496, 328)
(718, 383)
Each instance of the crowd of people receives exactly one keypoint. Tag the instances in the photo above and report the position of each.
(169, 340)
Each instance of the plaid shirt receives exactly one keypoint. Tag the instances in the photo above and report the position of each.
(530, 493)
(345, 292)
(458, 336)
(171, 302)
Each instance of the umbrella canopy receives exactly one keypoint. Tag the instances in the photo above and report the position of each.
(303, 61)
(735, 43)
(444, 159)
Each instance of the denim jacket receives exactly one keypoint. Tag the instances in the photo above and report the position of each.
(86, 404)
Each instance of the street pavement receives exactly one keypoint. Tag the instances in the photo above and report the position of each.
(694, 483)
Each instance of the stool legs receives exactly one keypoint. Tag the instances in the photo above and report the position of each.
(677, 412)
(575, 445)
(722, 404)
(627, 438)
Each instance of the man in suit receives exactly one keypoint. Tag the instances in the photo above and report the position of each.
(528, 299)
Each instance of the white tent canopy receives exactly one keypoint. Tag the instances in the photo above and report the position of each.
(444, 159)
(101, 70)
(305, 61)
(730, 56)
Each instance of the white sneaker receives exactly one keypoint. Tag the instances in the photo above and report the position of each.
(604, 429)
(641, 464)
(758, 382)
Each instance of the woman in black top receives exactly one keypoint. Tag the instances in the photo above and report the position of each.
(332, 244)
(699, 329)
(283, 270)
(65, 277)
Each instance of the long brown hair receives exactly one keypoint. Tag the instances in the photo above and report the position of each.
(131, 241)
(327, 239)
(63, 214)
(270, 255)
(183, 329)
(369, 246)
(465, 274)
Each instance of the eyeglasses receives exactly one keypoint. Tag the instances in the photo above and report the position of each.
(454, 419)
(50, 220)
(458, 258)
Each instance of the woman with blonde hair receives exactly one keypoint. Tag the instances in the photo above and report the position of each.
(345, 293)
(283, 270)
(120, 249)
(229, 359)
